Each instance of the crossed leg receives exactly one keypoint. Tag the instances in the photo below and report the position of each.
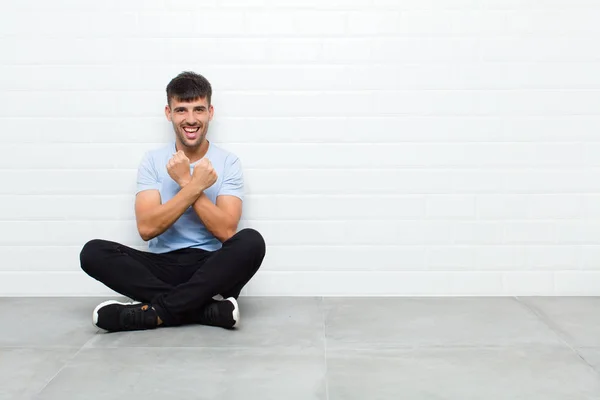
(178, 293)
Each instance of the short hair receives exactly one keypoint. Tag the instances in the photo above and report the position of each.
(189, 86)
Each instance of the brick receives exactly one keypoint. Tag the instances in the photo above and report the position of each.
(340, 207)
(450, 206)
(346, 258)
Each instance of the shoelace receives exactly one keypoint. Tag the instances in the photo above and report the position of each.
(211, 313)
(134, 317)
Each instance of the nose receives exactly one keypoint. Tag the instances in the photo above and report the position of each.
(190, 120)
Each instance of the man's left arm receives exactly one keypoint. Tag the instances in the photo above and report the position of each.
(222, 218)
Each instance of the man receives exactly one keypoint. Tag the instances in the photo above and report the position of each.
(188, 204)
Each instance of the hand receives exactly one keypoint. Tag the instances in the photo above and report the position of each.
(178, 168)
(204, 174)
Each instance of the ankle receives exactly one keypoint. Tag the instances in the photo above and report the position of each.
(158, 320)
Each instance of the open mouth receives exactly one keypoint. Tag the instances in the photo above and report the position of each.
(191, 132)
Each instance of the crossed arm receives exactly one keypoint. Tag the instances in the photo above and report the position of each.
(153, 218)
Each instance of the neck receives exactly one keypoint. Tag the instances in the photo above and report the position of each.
(193, 153)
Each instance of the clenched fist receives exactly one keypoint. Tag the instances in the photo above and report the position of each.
(204, 174)
(178, 168)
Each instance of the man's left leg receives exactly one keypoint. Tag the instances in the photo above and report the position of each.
(224, 274)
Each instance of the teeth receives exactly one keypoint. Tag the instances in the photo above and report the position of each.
(190, 130)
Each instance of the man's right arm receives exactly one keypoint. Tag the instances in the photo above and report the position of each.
(153, 218)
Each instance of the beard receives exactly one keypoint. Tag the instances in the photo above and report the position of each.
(198, 138)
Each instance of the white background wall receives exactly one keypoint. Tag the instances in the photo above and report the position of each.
(441, 147)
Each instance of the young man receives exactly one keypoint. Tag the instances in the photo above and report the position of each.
(188, 205)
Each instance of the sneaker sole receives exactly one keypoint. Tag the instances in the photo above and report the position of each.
(236, 311)
(99, 306)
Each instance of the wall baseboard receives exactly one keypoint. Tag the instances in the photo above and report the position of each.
(367, 283)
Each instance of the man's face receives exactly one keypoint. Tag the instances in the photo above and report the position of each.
(190, 120)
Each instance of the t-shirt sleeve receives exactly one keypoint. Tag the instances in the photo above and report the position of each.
(147, 178)
(233, 181)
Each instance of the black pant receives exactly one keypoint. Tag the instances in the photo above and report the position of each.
(180, 283)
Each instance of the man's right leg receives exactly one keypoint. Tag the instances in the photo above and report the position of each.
(133, 273)
(139, 275)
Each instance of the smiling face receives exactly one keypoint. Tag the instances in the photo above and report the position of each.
(190, 120)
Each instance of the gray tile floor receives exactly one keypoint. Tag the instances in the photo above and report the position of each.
(311, 348)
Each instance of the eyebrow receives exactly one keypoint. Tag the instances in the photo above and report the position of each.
(195, 108)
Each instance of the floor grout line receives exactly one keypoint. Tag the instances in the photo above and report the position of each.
(325, 347)
(65, 364)
(348, 346)
(562, 336)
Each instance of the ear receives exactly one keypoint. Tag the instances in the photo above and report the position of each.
(168, 112)
(211, 112)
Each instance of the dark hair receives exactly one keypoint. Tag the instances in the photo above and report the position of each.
(189, 86)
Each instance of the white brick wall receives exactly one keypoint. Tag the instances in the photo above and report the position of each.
(437, 147)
